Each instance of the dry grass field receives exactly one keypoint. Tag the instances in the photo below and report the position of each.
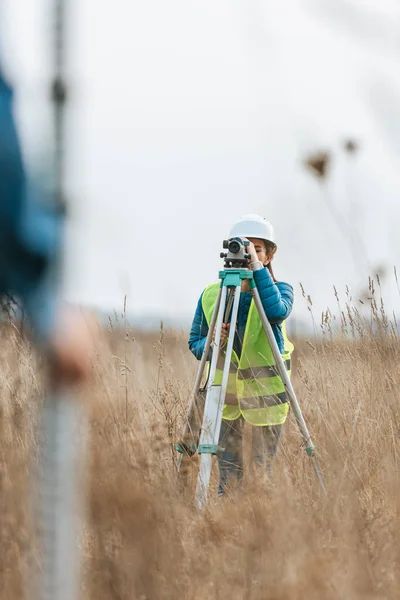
(143, 538)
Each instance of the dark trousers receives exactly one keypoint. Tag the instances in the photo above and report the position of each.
(265, 441)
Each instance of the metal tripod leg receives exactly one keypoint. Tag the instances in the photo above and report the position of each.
(189, 438)
(215, 399)
(200, 372)
(310, 449)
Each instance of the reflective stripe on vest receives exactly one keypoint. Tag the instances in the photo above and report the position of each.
(255, 389)
(233, 367)
(258, 372)
(263, 401)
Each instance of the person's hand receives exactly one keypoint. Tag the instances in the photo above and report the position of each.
(224, 334)
(250, 249)
(70, 349)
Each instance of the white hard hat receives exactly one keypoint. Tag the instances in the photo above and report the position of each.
(253, 226)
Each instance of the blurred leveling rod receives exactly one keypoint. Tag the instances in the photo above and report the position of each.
(235, 271)
(61, 416)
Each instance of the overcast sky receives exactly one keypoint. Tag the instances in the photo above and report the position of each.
(187, 114)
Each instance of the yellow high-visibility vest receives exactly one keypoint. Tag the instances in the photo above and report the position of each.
(254, 390)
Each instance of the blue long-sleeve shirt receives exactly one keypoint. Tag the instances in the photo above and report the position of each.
(29, 230)
(277, 300)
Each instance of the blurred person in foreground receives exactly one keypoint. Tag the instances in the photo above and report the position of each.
(30, 239)
(255, 393)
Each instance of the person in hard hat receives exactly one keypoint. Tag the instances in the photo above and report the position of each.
(255, 393)
(30, 234)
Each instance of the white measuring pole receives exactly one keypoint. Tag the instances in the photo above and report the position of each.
(64, 423)
(63, 453)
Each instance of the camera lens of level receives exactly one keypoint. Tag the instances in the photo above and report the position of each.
(234, 246)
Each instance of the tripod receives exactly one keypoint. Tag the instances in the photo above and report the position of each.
(235, 272)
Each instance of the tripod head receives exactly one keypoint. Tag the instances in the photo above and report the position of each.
(236, 256)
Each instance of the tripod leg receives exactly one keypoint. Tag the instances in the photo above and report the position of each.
(214, 403)
(310, 449)
(192, 403)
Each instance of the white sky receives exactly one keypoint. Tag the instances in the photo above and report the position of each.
(187, 114)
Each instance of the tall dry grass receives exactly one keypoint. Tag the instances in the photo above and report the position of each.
(143, 537)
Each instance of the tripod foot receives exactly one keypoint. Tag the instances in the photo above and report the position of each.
(310, 450)
(210, 449)
(186, 449)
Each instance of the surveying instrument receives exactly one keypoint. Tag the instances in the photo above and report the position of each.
(236, 270)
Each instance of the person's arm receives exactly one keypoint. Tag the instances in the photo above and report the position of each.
(277, 298)
(30, 237)
(29, 232)
(198, 331)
